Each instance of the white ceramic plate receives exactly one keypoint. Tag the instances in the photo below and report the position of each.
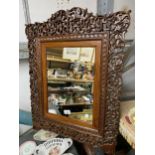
(43, 135)
(27, 148)
(55, 146)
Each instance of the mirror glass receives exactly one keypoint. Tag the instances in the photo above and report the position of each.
(70, 81)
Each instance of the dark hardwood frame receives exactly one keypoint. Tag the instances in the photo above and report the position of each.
(78, 23)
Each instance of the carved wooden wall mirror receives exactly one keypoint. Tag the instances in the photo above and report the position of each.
(75, 73)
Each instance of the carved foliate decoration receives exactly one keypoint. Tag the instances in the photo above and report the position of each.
(74, 22)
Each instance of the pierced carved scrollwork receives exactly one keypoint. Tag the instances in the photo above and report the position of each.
(80, 21)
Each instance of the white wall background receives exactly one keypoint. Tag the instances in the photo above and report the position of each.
(44, 8)
(24, 86)
(22, 36)
(129, 76)
(127, 5)
(41, 10)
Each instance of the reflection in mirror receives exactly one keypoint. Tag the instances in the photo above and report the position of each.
(70, 74)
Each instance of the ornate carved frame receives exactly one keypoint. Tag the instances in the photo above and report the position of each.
(79, 22)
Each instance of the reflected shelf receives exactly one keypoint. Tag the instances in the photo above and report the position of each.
(54, 80)
(76, 104)
(51, 58)
(83, 116)
(55, 59)
(68, 91)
